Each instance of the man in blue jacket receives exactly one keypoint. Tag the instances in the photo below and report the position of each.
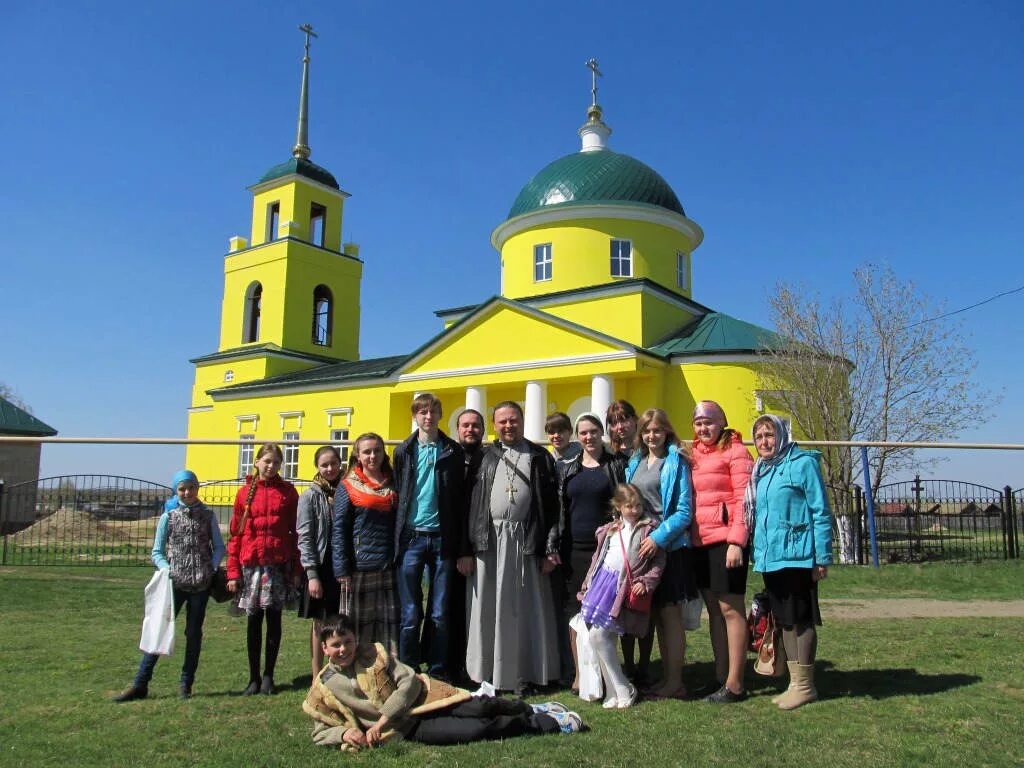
(429, 479)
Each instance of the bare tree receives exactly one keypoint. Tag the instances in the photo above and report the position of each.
(7, 393)
(878, 366)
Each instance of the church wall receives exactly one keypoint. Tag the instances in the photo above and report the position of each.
(267, 266)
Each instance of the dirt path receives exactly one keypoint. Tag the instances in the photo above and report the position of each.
(919, 608)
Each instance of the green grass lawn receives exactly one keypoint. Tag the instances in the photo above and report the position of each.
(911, 692)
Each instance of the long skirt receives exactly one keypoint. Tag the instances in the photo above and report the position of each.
(370, 603)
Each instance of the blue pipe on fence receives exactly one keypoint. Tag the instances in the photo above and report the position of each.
(870, 506)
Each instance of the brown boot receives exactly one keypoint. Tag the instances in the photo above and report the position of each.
(801, 686)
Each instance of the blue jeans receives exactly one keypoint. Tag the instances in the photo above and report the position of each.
(421, 551)
(194, 617)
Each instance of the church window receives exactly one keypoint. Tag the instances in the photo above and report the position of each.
(229, 375)
(622, 258)
(541, 262)
(317, 224)
(683, 270)
(246, 455)
(253, 303)
(322, 311)
(339, 436)
(273, 221)
(290, 465)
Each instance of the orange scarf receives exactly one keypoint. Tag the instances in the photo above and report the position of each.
(365, 493)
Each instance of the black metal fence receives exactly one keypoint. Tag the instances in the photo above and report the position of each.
(101, 519)
(921, 520)
(94, 519)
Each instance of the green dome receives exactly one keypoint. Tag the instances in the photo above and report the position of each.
(303, 168)
(601, 176)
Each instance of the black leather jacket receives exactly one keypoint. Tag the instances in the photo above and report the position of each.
(450, 471)
(542, 523)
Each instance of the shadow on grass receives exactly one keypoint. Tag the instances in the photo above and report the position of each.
(834, 683)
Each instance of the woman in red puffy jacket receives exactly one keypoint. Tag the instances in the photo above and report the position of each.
(721, 470)
(263, 559)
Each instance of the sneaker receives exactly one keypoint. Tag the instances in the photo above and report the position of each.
(549, 708)
(568, 722)
(132, 693)
(724, 696)
(629, 701)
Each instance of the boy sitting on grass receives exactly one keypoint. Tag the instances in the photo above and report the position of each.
(365, 696)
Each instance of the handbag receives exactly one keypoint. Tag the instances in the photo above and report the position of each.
(158, 621)
(771, 654)
(638, 603)
(219, 586)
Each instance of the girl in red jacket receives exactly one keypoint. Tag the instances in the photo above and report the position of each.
(263, 559)
(721, 471)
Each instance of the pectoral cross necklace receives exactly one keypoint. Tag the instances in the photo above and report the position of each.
(510, 475)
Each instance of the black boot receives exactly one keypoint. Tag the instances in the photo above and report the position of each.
(132, 693)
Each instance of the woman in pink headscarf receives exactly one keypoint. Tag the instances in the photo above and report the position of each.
(721, 470)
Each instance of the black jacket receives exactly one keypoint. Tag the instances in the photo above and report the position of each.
(614, 465)
(361, 539)
(542, 523)
(449, 470)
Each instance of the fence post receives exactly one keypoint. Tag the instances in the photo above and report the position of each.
(3, 523)
(1010, 523)
(869, 496)
(858, 525)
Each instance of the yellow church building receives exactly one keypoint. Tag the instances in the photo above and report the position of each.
(596, 304)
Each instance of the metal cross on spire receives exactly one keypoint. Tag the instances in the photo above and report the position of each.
(301, 148)
(594, 74)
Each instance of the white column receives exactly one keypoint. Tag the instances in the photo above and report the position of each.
(536, 409)
(602, 392)
(476, 398)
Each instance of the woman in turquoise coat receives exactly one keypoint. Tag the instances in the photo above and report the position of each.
(788, 511)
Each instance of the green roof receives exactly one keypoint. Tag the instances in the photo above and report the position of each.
(717, 333)
(600, 176)
(333, 373)
(302, 168)
(17, 421)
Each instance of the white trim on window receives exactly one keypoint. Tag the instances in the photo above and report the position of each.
(683, 270)
(621, 252)
(285, 415)
(542, 262)
(332, 412)
(253, 417)
(290, 465)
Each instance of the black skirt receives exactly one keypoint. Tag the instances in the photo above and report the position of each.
(320, 608)
(794, 596)
(579, 564)
(710, 573)
(677, 583)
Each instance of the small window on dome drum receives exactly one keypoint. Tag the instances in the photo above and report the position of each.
(683, 270)
(541, 262)
(622, 258)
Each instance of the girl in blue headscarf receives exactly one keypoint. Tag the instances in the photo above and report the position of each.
(786, 507)
(189, 545)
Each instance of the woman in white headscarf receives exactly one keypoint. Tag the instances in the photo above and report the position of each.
(786, 507)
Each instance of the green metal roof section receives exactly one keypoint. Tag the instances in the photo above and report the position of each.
(717, 333)
(255, 350)
(18, 421)
(601, 176)
(302, 167)
(339, 373)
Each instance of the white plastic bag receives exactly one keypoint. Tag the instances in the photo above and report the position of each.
(691, 613)
(158, 622)
(591, 684)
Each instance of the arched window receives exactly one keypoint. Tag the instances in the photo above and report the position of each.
(251, 326)
(323, 308)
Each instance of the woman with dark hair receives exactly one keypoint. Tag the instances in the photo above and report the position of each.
(585, 487)
(363, 542)
(621, 420)
(313, 529)
(786, 507)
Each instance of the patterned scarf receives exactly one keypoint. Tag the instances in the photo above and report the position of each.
(783, 444)
(370, 495)
(327, 486)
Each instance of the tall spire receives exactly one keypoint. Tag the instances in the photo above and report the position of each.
(594, 133)
(301, 148)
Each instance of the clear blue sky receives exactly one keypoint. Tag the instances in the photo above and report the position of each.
(804, 139)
